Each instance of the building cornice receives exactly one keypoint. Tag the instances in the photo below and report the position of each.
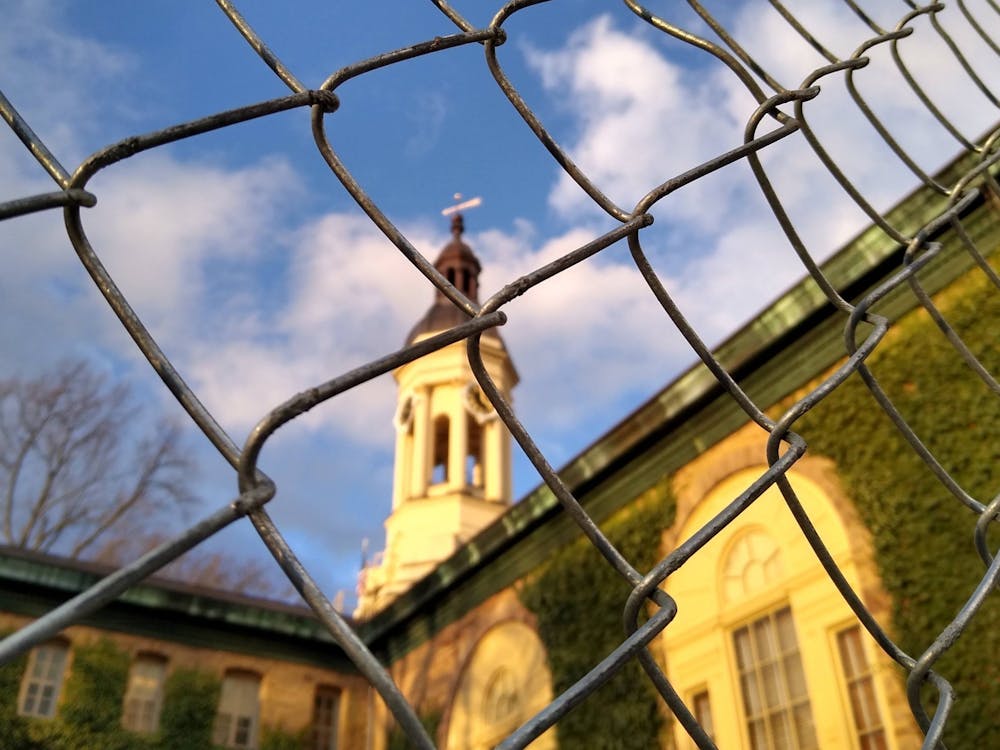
(688, 416)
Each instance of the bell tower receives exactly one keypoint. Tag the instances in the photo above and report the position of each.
(453, 454)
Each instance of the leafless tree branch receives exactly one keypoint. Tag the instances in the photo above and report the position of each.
(73, 466)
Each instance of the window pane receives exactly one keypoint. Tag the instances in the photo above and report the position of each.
(751, 696)
(144, 694)
(758, 735)
(45, 707)
(242, 736)
(55, 663)
(773, 685)
(220, 733)
(772, 688)
(763, 639)
(874, 741)
(805, 731)
(796, 677)
(744, 656)
(42, 680)
(703, 712)
(851, 653)
(30, 697)
(326, 711)
(861, 688)
(781, 732)
(786, 630)
(236, 724)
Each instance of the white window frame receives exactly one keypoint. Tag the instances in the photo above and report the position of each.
(143, 700)
(329, 727)
(238, 717)
(43, 678)
(871, 735)
(787, 704)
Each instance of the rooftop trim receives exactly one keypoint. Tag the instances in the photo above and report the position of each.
(61, 574)
(852, 270)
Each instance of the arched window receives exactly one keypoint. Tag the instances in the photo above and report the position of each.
(474, 454)
(500, 696)
(753, 562)
(499, 691)
(144, 693)
(43, 679)
(439, 462)
(239, 709)
(758, 619)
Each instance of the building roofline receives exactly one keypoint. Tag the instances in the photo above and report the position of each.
(862, 261)
(413, 616)
(54, 576)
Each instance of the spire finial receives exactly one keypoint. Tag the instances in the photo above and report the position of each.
(457, 227)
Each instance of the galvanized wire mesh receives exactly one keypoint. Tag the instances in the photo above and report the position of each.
(782, 110)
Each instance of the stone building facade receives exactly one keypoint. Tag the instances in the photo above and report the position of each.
(763, 651)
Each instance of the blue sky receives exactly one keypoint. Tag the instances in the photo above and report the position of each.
(260, 277)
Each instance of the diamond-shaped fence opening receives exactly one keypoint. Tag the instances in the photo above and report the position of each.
(779, 107)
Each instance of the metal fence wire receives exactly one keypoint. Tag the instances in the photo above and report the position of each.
(782, 110)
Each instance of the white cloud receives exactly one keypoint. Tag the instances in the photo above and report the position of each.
(641, 119)
(586, 336)
(55, 92)
(349, 297)
(254, 305)
(160, 221)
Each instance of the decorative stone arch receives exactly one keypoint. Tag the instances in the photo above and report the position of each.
(747, 448)
(698, 647)
(504, 682)
(751, 561)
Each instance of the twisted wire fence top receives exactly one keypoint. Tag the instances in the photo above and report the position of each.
(782, 108)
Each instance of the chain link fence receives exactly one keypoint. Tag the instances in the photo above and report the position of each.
(782, 110)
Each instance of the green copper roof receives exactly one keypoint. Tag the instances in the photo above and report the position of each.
(685, 418)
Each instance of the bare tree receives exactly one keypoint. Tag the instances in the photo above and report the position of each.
(80, 477)
(74, 465)
(202, 567)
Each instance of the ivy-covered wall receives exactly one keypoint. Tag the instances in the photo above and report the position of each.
(15, 729)
(578, 600)
(90, 709)
(397, 740)
(190, 698)
(923, 537)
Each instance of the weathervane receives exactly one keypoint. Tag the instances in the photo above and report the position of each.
(460, 204)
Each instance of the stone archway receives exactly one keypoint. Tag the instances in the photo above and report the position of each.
(505, 682)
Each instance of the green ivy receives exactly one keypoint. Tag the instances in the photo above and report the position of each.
(923, 536)
(190, 701)
(94, 692)
(90, 712)
(277, 738)
(14, 734)
(577, 599)
(397, 740)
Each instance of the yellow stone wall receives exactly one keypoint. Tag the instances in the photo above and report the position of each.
(723, 587)
(286, 688)
(447, 675)
(429, 520)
